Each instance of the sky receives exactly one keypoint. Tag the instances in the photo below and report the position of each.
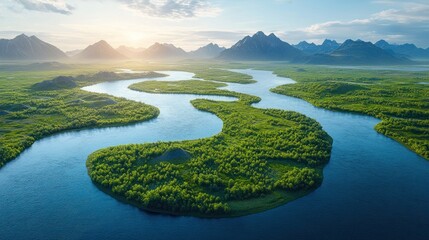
(74, 24)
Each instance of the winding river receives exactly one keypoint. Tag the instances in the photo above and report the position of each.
(374, 188)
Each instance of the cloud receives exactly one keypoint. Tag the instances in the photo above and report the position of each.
(55, 6)
(173, 8)
(403, 23)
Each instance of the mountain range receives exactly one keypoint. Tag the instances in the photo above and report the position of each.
(259, 47)
(163, 51)
(23, 47)
(327, 46)
(355, 53)
(99, 51)
(209, 51)
(406, 50)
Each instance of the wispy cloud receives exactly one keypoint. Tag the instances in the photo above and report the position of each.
(173, 8)
(55, 6)
(400, 23)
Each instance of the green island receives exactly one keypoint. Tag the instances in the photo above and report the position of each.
(41, 99)
(31, 110)
(198, 87)
(397, 98)
(263, 158)
(221, 75)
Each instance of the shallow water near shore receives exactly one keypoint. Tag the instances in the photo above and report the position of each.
(373, 188)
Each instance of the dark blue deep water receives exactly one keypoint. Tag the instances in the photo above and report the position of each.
(374, 188)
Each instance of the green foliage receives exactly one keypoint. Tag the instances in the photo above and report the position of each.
(297, 179)
(57, 83)
(261, 154)
(403, 107)
(221, 75)
(28, 114)
(192, 87)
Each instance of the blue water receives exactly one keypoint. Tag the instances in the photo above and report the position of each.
(374, 188)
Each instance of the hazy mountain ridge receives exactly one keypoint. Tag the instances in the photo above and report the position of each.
(73, 52)
(356, 53)
(129, 52)
(163, 51)
(261, 47)
(407, 49)
(209, 51)
(23, 47)
(99, 51)
(327, 46)
(258, 47)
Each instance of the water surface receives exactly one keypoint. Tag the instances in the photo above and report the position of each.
(374, 188)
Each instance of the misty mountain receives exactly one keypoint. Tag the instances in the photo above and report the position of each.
(328, 46)
(73, 52)
(99, 51)
(23, 47)
(209, 51)
(130, 52)
(163, 51)
(408, 50)
(356, 53)
(261, 47)
(307, 48)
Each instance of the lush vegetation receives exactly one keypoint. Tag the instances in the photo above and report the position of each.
(395, 97)
(220, 75)
(191, 87)
(260, 160)
(30, 110)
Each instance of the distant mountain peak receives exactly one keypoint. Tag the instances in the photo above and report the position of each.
(100, 50)
(382, 41)
(212, 45)
(210, 50)
(261, 47)
(260, 34)
(23, 47)
(407, 49)
(101, 43)
(311, 48)
(356, 53)
(163, 51)
(330, 42)
(348, 41)
(22, 35)
(305, 44)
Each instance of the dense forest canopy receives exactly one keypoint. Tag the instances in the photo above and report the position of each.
(265, 157)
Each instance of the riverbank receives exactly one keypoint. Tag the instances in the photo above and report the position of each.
(30, 114)
(402, 108)
(231, 174)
